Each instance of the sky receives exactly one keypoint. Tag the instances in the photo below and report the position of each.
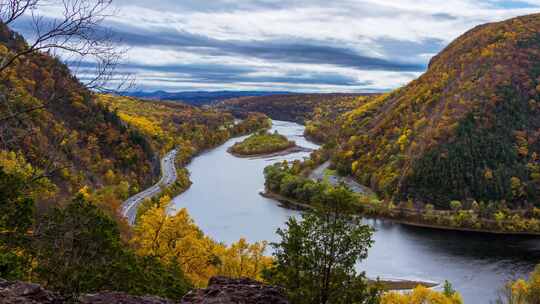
(292, 45)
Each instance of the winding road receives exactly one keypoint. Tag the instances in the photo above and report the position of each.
(168, 176)
(319, 174)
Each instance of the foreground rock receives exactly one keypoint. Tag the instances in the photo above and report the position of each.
(220, 290)
(28, 293)
(119, 297)
(223, 290)
(23, 293)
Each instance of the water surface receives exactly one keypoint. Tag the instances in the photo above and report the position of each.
(224, 201)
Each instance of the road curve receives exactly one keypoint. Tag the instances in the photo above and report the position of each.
(168, 176)
(319, 174)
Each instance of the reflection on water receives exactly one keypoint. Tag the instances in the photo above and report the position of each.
(225, 203)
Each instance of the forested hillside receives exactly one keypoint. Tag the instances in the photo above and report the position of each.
(173, 124)
(466, 129)
(74, 156)
(61, 131)
(198, 98)
(289, 107)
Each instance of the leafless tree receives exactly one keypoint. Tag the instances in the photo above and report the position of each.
(76, 31)
(12, 10)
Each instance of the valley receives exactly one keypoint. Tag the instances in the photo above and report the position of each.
(474, 263)
(274, 186)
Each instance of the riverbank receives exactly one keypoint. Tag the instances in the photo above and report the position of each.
(286, 202)
(465, 217)
(224, 201)
(291, 150)
(420, 224)
(403, 285)
(399, 218)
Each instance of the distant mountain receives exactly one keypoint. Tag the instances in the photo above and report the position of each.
(296, 107)
(199, 98)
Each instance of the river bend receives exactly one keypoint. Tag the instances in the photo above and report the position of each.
(224, 201)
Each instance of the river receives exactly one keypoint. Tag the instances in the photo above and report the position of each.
(224, 201)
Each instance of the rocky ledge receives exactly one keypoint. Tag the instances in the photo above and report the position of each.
(220, 290)
(223, 290)
(28, 293)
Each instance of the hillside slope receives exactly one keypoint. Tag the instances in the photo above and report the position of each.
(291, 107)
(63, 132)
(198, 98)
(468, 128)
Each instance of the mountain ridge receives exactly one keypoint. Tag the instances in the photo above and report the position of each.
(452, 134)
(199, 97)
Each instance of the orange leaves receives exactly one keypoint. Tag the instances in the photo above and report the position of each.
(167, 125)
(488, 174)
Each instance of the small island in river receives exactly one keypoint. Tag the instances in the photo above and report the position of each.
(264, 143)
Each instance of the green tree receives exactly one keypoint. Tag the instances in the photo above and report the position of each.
(316, 257)
(455, 206)
(77, 248)
(448, 289)
(145, 275)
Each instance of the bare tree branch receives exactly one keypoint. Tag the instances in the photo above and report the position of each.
(76, 31)
(11, 10)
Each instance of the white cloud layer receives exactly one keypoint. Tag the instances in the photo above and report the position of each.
(297, 45)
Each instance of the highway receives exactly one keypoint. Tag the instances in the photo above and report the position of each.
(168, 176)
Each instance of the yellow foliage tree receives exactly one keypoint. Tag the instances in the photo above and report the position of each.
(242, 259)
(177, 238)
(420, 295)
(16, 164)
(143, 124)
(523, 291)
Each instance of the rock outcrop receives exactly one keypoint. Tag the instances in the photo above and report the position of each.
(223, 290)
(220, 290)
(29, 293)
(26, 293)
(119, 297)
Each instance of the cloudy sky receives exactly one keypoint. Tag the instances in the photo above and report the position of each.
(293, 45)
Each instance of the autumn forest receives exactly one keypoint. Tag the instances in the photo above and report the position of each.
(453, 154)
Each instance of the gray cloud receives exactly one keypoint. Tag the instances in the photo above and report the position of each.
(297, 51)
(377, 45)
(216, 74)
